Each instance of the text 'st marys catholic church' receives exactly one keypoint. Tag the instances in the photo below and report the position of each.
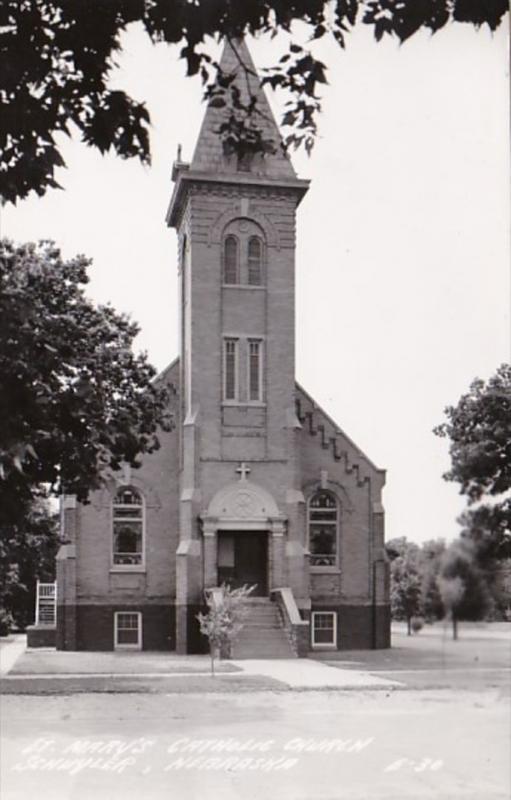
(255, 484)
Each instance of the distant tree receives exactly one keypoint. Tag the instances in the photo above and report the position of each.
(224, 620)
(405, 587)
(462, 584)
(479, 430)
(396, 547)
(56, 58)
(430, 562)
(27, 554)
(500, 588)
(75, 401)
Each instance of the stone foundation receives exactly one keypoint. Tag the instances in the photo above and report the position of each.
(41, 636)
(360, 627)
(95, 626)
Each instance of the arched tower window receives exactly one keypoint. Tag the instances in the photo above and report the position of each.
(323, 523)
(231, 266)
(255, 261)
(128, 527)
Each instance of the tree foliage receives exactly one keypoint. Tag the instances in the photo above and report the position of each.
(27, 554)
(56, 58)
(74, 398)
(479, 430)
(224, 619)
(436, 581)
(431, 601)
(405, 592)
(462, 585)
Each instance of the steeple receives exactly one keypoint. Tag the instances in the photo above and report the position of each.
(209, 154)
(211, 164)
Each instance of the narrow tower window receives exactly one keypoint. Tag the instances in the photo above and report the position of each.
(230, 369)
(323, 527)
(255, 389)
(128, 527)
(231, 260)
(255, 258)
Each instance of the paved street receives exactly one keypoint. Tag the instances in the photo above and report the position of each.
(428, 719)
(296, 745)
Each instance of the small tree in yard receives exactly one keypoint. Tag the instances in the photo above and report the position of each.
(223, 620)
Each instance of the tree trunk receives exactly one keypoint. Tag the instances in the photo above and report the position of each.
(212, 656)
(454, 627)
(409, 623)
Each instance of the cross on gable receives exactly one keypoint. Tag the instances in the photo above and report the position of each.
(243, 470)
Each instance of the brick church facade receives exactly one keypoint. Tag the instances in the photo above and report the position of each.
(255, 484)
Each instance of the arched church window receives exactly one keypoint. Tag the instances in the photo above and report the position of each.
(255, 261)
(128, 527)
(323, 519)
(231, 267)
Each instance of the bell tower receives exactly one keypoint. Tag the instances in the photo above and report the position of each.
(235, 220)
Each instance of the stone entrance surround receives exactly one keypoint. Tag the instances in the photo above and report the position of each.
(243, 506)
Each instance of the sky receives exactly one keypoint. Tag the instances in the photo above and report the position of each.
(403, 284)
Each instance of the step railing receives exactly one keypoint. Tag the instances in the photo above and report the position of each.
(297, 629)
(46, 603)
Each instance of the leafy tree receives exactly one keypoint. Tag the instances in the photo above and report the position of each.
(405, 591)
(56, 58)
(224, 619)
(396, 547)
(430, 561)
(75, 400)
(462, 584)
(479, 429)
(500, 588)
(27, 554)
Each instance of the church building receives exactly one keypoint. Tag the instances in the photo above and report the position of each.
(255, 484)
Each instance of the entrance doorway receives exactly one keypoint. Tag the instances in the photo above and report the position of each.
(243, 559)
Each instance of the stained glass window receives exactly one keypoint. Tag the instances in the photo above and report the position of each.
(230, 369)
(231, 260)
(323, 527)
(254, 371)
(255, 258)
(128, 527)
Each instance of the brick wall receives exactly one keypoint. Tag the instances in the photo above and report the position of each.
(95, 626)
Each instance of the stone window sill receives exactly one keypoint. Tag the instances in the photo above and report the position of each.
(119, 569)
(243, 404)
(250, 286)
(325, 570)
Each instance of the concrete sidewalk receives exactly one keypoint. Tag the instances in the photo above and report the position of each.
(301, 673)
(19, 664)
(12, 648)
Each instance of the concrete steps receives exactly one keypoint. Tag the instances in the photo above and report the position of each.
(262, 635)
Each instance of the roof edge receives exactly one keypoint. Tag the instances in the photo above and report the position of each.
(185, 176)
(337, 427)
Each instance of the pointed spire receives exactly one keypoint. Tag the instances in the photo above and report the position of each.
(209, 154)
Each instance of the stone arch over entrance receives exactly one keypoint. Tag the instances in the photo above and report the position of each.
(239, 510)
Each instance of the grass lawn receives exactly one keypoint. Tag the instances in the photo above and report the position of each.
(178, 684)
(59, 662)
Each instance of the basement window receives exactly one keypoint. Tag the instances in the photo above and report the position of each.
(128, 630)
(324, 629)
